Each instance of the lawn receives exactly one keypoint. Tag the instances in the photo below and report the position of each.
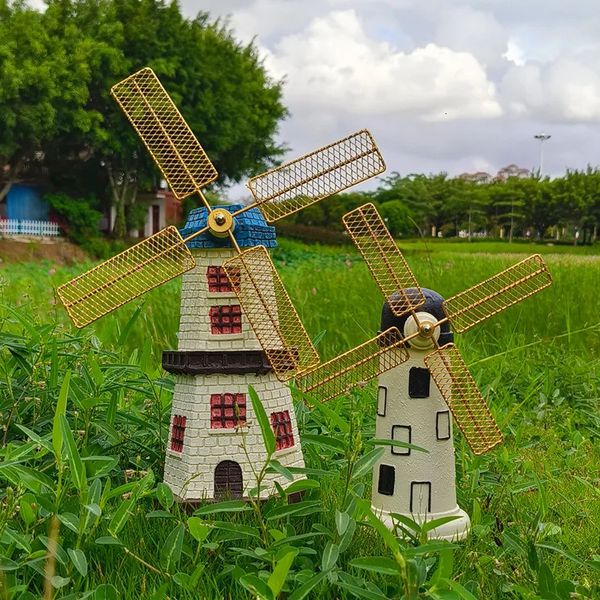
(534, 501)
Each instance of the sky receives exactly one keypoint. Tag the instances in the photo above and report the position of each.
(442, 85)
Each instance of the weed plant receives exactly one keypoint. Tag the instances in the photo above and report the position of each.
(85, 416)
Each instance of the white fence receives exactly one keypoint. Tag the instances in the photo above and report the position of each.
(25, 227)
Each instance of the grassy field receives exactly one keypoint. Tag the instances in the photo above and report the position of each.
(534, 501)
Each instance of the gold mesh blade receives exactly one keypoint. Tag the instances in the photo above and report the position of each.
(385, 261)
(497, 293)
(463, 398)
(135, 271)
(339, 375)
(167, 136)
(271, 313)
(331, 169)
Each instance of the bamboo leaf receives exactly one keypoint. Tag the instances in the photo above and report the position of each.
(263, 421)
(377, 564)
(277, 578)
(61, 410)
(77, 469)
(171, 551)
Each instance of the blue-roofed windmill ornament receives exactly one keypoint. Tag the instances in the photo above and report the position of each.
(417, 395)
(214, 440)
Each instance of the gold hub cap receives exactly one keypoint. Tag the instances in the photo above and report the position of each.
(220, 222)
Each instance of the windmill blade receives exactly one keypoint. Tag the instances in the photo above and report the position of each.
(497, 293)
(459, 390)
(355, 367)
(384, 259)
(271, 313)
(306, 180)
(170, 141)
(126, 276)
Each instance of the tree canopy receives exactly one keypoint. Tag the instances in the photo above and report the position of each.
(56, 70)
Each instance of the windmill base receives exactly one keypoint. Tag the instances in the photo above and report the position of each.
(454, 531)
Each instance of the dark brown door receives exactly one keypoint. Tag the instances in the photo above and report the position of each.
(228, 480)
(155, 218)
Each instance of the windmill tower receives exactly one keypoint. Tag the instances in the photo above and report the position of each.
(215, 442)
(224, 345)
(422, 379)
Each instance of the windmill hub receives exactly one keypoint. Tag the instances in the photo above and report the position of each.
(220, 222)
(425, 324)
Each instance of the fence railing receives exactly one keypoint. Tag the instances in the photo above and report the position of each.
(26, 227)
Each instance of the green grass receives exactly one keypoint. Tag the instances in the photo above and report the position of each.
(534, 501)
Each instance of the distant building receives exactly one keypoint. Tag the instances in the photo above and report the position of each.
(24, 212)
(512, 170)
(479, 177)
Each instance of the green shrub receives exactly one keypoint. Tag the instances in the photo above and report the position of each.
(80, 218)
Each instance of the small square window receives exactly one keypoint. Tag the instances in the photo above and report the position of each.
(420, 497)
(227, 411)
(387, 480)
(282, 428)
(442, 425)
(401, 433)
(218, 281)
(225, 319)
(419, 381)
(178, 432)
(381, 401)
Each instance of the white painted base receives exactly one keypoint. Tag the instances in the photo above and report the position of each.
(454, 531)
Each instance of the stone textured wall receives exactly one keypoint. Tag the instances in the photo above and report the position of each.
(190, 473)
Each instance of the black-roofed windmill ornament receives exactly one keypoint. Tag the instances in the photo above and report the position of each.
(237, 324)
(429, 383)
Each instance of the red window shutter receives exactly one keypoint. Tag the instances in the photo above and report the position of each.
(178, 432)
(227, 411)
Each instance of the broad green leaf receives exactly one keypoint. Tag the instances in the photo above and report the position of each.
(61, 409)
(377, 564)
(170, 553)
(301, 485)
(198, 529)
(164, 495)
(277, 467)
(324, 441)
(395, 444)
(299, 509)
(263, 421)
(257, 586)
(341, 521)
(227, 506)
(430, 547)
(279, 574)
(59, 582)
(359, 592)
(460, 590)
(330, 556)
(79, 560)
(307, 587)
(429, 525)
(77, 469)
(365, 463)
(107, 540)
(120, 517)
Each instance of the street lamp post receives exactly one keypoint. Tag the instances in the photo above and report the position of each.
(542, 137)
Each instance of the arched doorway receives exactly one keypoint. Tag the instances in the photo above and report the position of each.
(228, 480)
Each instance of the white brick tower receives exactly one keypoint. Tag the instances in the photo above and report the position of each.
(215, 444)
(411, 409)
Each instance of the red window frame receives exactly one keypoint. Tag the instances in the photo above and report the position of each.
(227, 411)
(178, 432)
(282, 428)
(217, 278)
(225, 319)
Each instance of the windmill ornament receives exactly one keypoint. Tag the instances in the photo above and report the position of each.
(238, 326)
(428, 382)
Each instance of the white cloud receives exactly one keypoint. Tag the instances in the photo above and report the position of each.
(562, 91)
(473, 31)
(334, 66)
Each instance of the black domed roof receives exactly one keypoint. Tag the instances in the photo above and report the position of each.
(432, 305)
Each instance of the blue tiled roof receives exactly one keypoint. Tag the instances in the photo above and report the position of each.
(251, 229)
